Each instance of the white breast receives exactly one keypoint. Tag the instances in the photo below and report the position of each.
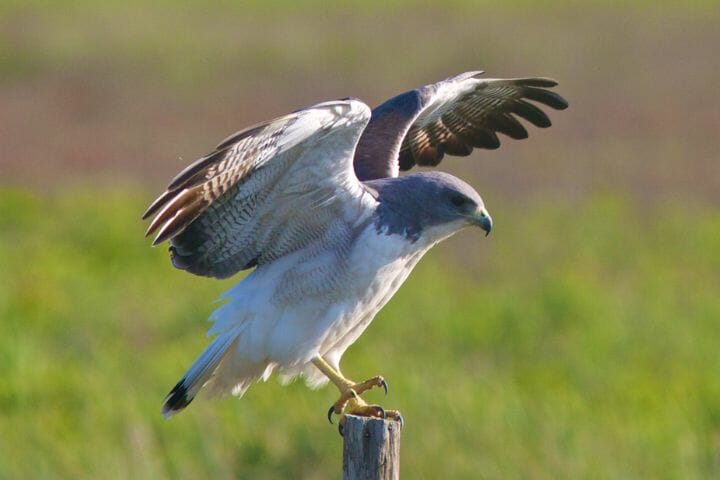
(381, 263)
(286, 335)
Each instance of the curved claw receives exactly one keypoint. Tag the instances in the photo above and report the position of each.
(381, 412)
(385, 386)
(341, 429)
(400, 420)
(329, 414)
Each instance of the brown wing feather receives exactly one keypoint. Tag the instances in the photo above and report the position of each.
(206, 180)
(474, 118)
(257, 196)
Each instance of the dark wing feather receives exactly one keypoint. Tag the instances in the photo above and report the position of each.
(451, 117)
(255, 197)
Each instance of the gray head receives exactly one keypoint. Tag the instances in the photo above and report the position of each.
(428, 204)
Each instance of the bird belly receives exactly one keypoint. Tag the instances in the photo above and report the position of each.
(283, 330)
(380, 268)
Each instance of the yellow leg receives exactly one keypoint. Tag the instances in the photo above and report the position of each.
(350, 401)
(335, 376)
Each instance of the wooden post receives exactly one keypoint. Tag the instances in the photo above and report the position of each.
(371, 449)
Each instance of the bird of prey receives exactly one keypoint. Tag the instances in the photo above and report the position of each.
(315, 203)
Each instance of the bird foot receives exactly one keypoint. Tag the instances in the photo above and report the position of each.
(350, 403)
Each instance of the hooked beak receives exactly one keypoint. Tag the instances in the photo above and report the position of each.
(483, 220)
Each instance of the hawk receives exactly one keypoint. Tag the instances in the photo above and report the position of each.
(314, 202)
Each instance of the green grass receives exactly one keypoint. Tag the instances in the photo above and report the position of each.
(580, 341)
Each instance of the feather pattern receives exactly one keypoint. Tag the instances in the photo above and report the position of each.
(451, 117)
(240, 205)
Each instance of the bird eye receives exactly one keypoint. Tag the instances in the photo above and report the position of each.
(458, 200)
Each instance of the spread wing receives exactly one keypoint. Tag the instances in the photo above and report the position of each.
(450, 117)
(264, 192)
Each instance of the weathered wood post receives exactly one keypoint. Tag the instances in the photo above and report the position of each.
(371, 449)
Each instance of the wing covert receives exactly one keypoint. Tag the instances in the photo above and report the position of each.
(263, 192)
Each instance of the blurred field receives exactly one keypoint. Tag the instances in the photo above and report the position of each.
(590, 351)
(580, 340)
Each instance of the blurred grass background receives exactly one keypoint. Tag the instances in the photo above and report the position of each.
(577, 341)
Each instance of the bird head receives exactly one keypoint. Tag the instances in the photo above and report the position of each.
(451, 204)
(434, 203)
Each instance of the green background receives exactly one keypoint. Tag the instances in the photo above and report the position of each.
(580, 340)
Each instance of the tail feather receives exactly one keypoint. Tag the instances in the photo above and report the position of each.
(199, 374)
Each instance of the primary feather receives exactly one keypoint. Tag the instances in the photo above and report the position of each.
(450, 117)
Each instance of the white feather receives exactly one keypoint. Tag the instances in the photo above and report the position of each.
(277, 332)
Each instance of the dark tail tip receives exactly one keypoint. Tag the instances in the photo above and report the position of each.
(176, 400)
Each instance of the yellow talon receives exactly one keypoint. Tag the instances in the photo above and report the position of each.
(350, 401)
